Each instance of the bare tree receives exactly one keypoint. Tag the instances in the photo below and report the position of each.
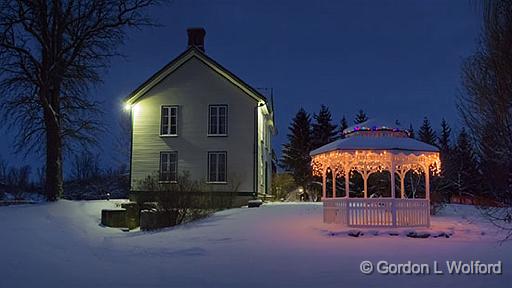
(51, 53)
(85, 166)
(486, 106)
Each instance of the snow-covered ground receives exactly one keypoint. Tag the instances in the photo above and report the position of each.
(277, 245)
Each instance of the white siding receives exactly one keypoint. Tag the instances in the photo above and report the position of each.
(193, 87)
(264, 151)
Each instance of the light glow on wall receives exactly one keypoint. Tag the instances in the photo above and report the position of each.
(136, 108)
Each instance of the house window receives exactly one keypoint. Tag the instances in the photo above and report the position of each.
(169, 121)
(217, 167)
(218, 120)
(169, 166)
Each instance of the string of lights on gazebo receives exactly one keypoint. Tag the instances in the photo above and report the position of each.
(339, 162)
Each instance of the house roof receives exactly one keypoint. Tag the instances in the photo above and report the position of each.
(192, 52)
(369, 137)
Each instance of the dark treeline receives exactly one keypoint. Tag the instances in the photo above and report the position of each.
(87, 177)
(459, 178)
(17, 180)
(85, 180)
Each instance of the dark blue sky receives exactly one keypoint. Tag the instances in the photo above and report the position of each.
(394, 59)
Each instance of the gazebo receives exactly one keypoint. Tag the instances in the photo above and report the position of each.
(367, 148)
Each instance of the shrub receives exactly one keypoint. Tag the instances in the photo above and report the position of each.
(282, 185)
(186, 200)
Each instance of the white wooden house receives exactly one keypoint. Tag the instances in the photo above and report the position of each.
(194, 115)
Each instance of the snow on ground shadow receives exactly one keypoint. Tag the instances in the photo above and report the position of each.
(277, 245)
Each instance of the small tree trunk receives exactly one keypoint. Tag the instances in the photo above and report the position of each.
(54, 182)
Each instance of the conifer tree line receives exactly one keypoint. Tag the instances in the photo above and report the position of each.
(459, 175)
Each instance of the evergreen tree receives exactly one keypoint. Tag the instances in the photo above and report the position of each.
(446, 183)
(324, 131)
(494, 164)
(411, 131)
(444, 138)
(343, 126)
(426, 133)
(361, 117)
(296, 157)
(464, 161)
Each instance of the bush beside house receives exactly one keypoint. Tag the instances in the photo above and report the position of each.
(158, 205)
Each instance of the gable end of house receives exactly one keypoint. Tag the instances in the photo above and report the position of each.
(190, 53)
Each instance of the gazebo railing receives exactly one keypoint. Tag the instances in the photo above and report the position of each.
(412, 212)
(377, 212)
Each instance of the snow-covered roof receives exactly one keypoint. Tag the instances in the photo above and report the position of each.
(371, 137)
(192, 52)
(388, 143)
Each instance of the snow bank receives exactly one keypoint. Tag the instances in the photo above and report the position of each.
(278, 245)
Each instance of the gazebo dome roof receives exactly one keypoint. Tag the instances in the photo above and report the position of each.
(377, 135)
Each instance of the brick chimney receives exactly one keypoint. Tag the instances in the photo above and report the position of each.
(196, 37)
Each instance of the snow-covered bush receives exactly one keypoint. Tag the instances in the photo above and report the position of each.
(185, 200)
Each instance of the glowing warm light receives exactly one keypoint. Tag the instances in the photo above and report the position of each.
(371, 212)
(374, 161)
(127, 107)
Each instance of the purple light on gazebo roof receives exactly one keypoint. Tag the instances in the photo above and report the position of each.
(376, 125)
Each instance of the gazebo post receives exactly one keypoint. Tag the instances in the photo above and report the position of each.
(347, 183)
(333, 184)
(392, 171)
(393, 200)
(324, 184)
(402, 186)
(402, 183)
(427, 191)
(365, 183)
(427, 183)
